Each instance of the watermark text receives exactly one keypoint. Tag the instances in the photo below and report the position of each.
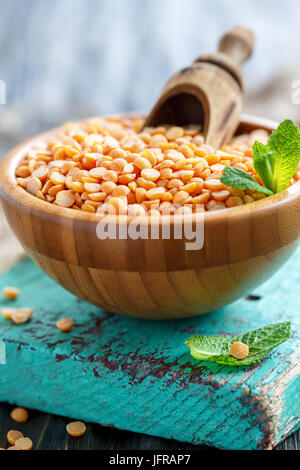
(184, 225)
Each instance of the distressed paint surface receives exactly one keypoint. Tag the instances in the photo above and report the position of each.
(138, 375)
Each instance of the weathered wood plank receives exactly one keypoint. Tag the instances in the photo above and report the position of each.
(138, 375)
(51, 432)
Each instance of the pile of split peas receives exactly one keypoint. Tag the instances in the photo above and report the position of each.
(106, 165)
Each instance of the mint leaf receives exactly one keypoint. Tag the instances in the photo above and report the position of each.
(260, 342)
(259, 149)
(236, 178)
(276, 163)
(285, 144)
(264, 164)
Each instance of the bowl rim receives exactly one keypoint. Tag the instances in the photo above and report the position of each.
(10, 189)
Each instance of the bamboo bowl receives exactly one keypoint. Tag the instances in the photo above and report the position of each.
(154, 278)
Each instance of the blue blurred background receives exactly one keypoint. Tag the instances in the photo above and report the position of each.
(63, 60)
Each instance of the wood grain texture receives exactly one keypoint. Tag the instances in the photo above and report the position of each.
(10, 249)
(139, 376)
(237, 43)
(49, 433)
(154, 278)
(209, 92)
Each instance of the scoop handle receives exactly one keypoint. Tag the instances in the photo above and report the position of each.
(238, 44)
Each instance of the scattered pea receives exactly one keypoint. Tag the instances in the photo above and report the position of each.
(12, 436)
(24, 443)
(65, 324)
(11, 292)
(20, 415)
(21, 315)
(76, 428)
(239, 350)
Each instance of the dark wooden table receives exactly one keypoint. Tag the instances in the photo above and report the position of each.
(48, 432)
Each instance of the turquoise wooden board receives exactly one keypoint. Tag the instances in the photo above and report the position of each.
(138, 375)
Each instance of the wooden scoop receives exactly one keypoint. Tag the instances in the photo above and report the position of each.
(209, 92)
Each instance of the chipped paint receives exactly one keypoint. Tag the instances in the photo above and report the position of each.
(138, 375)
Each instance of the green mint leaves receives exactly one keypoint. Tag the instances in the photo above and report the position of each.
(264, 163)
(239, 179)
(260, 342)
(285, 145)
(275, 163)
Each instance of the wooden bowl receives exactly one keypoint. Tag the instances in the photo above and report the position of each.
(154, 278)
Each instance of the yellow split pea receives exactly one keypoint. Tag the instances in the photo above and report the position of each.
(24, 443)
(21, 315)
(11, 292)
(7, 312)
(76, 428)
(65, 324)
(239, 350)
(12, 436)
(20, 415)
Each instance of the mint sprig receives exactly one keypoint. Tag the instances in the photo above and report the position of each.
(285, 144)
(239, 179)
(264, 163)
(260, 342)
(275, 163)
